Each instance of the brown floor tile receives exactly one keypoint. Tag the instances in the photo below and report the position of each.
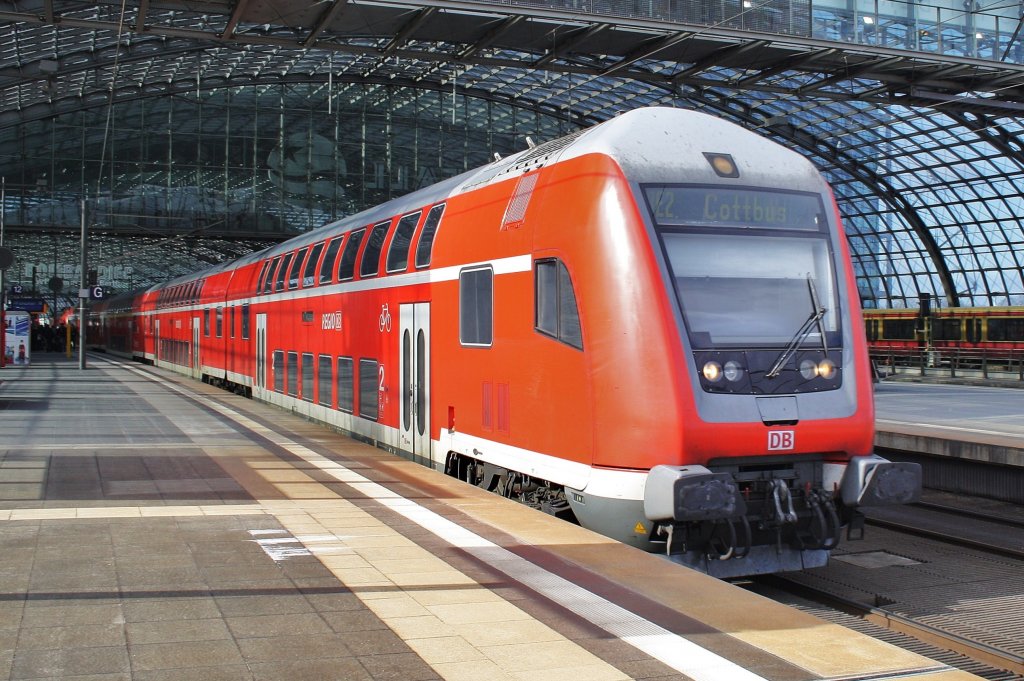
(162, 609)
(80, 636)
(220, 673)
(398, 667)
(375, 642)
(290, 601)
(31, 664)
(311, 670)
(258, 626)
(175, 631)
(182, 655)
(347, 621)
(55, 613)
(281, 648)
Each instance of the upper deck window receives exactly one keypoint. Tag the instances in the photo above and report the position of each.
(282, 271)
(398, 251)
(347, 264)
(327, 265)
(293, 275)
(309, 274)
(262, 278)
(425, 248)
(370, 264)
(720, 206)
(268, 285)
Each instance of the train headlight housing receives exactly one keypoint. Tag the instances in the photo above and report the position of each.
(733, 371)
(712, 371)
(809, 369)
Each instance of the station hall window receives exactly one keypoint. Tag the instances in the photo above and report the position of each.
(476, 307)
(398, 251)
(425, 248)
(370, 264)
(555, 312)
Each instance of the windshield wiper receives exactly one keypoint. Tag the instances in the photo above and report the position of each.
(814, 319)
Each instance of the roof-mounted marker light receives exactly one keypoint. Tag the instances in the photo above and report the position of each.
(722, 164)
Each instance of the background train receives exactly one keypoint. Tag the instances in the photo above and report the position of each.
(650, 326)
(997, 330)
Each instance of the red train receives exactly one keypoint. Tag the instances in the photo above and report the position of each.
(650, 326)
(998, 331)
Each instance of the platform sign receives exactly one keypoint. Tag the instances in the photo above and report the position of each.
(27, 304)
(18, 326)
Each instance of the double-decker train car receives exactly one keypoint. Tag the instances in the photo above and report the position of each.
(998, 331)
(649, 326)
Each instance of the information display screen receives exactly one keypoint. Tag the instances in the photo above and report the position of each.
(718, 206)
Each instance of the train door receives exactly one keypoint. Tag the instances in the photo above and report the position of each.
(197, 366)
(414, 373)
(261, 355)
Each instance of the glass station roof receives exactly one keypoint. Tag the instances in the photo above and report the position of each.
(912, 110)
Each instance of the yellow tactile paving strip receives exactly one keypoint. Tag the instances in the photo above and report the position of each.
(464, 634)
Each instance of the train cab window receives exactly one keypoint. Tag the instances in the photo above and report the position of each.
(368, 386)
(346, 386)
(398, 251)
(425, 248)
(324, 380)
(292, 374)
(370, 264)
(268, 285)
(347, 264)
(262, 278)
(309, 274)
(220, 321)
(245, 322)
(282, 271)
(206, 322)
(277, 366)
(327, 265)
(307, 376)
(555, 311)
(293, 275)
(476, 307)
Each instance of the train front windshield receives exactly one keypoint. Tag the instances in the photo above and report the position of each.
(750, 266)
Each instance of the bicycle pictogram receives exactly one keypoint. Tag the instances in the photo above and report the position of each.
(385, 318)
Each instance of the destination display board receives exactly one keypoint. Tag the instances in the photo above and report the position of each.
(719, 206)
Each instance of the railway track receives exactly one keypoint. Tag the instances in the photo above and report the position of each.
(973, 622)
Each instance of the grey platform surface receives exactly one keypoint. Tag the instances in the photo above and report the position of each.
(970, 422)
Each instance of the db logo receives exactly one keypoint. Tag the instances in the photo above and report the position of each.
(780, 439)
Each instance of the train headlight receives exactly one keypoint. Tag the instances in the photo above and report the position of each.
(712, 371)
(733, 370)
(826, 369)
(808, 369)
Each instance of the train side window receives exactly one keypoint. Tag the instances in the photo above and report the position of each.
(309, 274)
(346, 386)
(282, 271)
(947, 329)
(268, 285)
(245, 322)
(425, 248)
(370, 264)
(398, 251)
(277, 366)
(368, 386)
(262, 278)
(476, 307)
(307, 376)
(347, 265)
(231, 322)
(899, 329)
(1005, 329)
(293, 275)
(327, 266)
(555, 311)
(293, 374)
(220, 322)
(206, 322)
(324, 380)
